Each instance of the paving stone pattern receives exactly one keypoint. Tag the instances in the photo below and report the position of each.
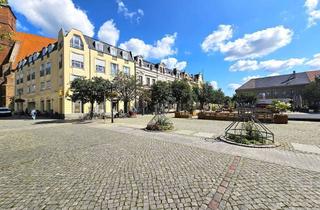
(72, 166)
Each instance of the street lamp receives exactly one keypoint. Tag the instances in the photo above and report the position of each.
(113, 99)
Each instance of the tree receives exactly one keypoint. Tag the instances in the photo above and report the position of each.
(144, 97)
(218, 97)
(245, 99)
(161, 94)
(204, 94)
(3, 2)
(126, 88)
(89, 91)
(311, 93)
(182, 94)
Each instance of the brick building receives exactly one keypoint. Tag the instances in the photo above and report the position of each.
(21, 45)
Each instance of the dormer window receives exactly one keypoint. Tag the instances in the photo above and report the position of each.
(35, 56)
(76, 42)
(50, 48)
(98, 46)
(30, 59)
(44, 51)
(125, 55)
(113, 51)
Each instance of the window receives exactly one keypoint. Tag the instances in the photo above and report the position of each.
(28, 89)
(21, 77)
(98, 46)
(126, 70)
(140, 80)
(48, 105)
(77, 61)
(42, 85)
(33, 88)
(153, 81)
(19, 91)
(76, 42)
(48, 84)
(28, 76)
(125, 55)
(42, 70)
(100, 66)
(33, 74)
(44, 51)
(48, 68)
(148, 81)
(42, 106)
(114, 69)
(30, 59)
(50, 48)
(35, 56)
(113, 51)
(60, 62)
(73, 77)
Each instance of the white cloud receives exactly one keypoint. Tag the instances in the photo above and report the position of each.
(313, 13)
(255, 45)
(172, 63)
(21, 27)
(246, 79)
(245, 65)
(233, 86)
(122, 8)
(315, 62)
(217, 38)
(273, 74)
(159, 50)
(214, 85)
(109, 33)
(269, 65)
(50, 16)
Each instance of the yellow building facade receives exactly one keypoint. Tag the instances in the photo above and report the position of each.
(43, 78)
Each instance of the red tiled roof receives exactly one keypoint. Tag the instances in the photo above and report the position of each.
(313, 74)
(29, 43)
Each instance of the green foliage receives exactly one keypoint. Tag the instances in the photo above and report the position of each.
(206, 95)
(244, 99)
(281, 106)
(311, 94)
(161, 93)
(182, 94)
(218, 96)
(89, 91)
(126, 88)
(3, 2)
(160, 123)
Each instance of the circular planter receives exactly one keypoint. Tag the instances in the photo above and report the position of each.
(229, 141)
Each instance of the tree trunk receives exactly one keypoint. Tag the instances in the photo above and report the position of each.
(91, 111)
(125, 106)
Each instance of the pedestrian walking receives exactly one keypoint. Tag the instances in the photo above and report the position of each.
(33, 114)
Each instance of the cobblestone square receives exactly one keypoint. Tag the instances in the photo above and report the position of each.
(52, 165)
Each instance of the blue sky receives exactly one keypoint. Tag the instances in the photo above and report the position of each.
(229, 41)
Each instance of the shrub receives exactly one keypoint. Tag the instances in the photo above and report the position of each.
(160, 123)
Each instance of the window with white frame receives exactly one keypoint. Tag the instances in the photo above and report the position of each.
(125, 55)
(114, 69)
(98, 46)
(28, 89)
(100, 66)
(48, 84)
(148, 81)
(126, 70)
(76, 42)
(42, 85)
(77, 61)
(42, 70)
(113, 51)
(48, 68)
(33, 88)
(140, 80)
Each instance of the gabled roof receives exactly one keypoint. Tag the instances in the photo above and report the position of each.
(28, 44)
(302, 78)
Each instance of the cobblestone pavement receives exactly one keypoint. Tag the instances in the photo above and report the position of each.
(86, 166)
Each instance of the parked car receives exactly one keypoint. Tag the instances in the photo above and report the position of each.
(5, 112)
